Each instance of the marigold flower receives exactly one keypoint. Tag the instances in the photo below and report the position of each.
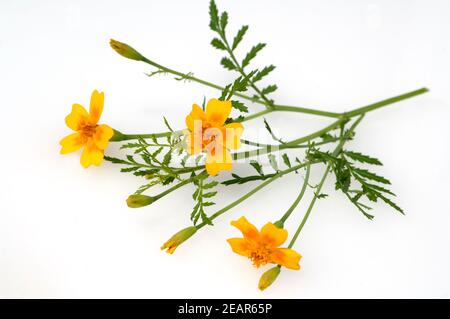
(261, 247)
(178, 239)
(208, 132)
(88, 132)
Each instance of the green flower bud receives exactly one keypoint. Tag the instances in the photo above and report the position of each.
(136, 201)
(178, 239)
(125, 50)
(269, 277)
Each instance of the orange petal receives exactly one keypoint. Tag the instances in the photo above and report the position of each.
(77, 118)
(196, 114)
(273, 235)
(72, 143)
(91, 155)
(217, 161)
(248, 230)
(96, 107)
(232, 133)
(103, 134)
(239, 246)
(217, 112)
(286, 257)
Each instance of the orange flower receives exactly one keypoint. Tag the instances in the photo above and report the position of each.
(88, 133)
(208, 132)
(262, 246)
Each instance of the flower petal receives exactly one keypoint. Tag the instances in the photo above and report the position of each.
(102, 135)
(273, 235)
(72, 143)
(286, 257)
(197, 114)
(248, 230)
(239, 246)
(232, 133)
(91, 155)
(217, 112)
(193, 143)
(77, 118)
(218, 160)
(96, 107)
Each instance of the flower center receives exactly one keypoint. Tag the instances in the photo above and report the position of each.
(88, 130)
(260, 255)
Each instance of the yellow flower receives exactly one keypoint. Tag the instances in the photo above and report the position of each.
(88, 133)
(178, 239)
(262, 246)
(208, 132)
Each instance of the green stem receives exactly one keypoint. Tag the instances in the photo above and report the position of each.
(180, 184)
(243, 96)
(262, 151)
(286, 215)
(319, 187)
(310, 207)
(253, 191)
(377, 105)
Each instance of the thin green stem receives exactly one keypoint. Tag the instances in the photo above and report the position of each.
(180, 184)
(377, 105)
(253, 191)
(262, 151)
(337, 150)
(310, 207)
(286, 215)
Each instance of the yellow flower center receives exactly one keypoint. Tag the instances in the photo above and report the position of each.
(260, 255)
(88, 130)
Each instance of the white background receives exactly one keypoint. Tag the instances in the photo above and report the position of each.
(66, 231)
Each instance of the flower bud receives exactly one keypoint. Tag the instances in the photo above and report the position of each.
(178, 239)
(136, 201)
(268, 277)
(125, 50)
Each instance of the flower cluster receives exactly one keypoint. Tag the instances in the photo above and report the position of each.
(202, 154)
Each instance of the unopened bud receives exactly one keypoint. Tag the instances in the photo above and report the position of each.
(125, 50)
(268, 277)
(178, 239)
(136, 201)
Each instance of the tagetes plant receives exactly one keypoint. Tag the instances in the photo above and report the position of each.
(89, 134)
(208, 132)
(210, 143)
(263, 247)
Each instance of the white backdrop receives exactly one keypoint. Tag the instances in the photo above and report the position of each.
(66, 231)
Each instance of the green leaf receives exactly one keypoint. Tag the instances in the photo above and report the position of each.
(263, 73)
(210, 185)
(363, 158)
(239, 36)
(218, 44)
(286, 160)
(167, 124)
(273, 162)
(252, 54)
(239, 106)
(129, 169)
(115, 160)
(209, 195)
(269, 89)
(167, 158)
(224, 21)
(214, 16)
(378, 188)
(257, 167)
(391, 203)
(370, 175)
(227, 64)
